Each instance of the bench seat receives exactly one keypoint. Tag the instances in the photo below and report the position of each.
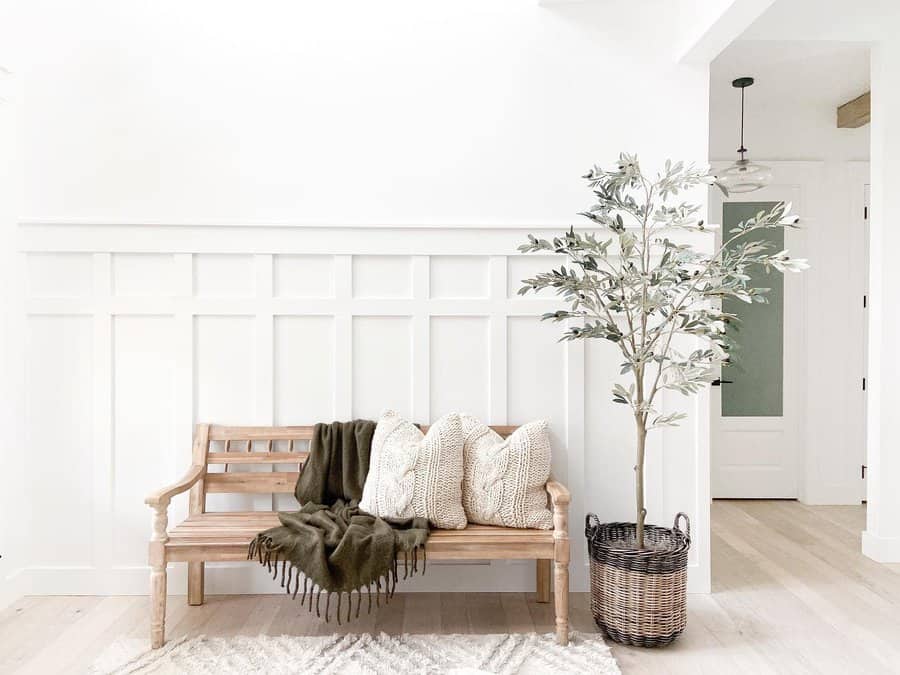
(225, 536)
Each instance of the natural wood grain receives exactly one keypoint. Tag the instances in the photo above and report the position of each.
(279, 482)
(559, 493)
(791, 594)
(197, 505)
(560, 498)
(225, 537)
(542, 581)
(257, 458)
(855, 113)
(158, 590)
(163, 496)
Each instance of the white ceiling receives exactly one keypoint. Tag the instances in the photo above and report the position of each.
(791, 108)
(827, 20)
(829, 73)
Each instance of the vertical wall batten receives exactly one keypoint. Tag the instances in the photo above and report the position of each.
(103, 458)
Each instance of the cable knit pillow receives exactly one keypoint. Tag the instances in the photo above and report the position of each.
(504, 481)
(411, 474)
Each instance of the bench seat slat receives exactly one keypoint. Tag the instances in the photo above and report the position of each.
(225, 536)
(256, 457)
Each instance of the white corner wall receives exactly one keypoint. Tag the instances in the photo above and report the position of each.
(311, 210)
(14, 503)
(791, 122)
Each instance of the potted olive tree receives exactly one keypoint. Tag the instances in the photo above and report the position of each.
(630, 281)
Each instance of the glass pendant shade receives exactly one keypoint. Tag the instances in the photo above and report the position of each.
(745, 176)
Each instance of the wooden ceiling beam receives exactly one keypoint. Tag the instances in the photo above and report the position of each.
(855, 113)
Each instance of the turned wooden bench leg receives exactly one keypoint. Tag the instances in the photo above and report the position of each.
(157, 607)
(561, 571)
(195, 583)
(561, 601)
(542, 585)
(158, 577)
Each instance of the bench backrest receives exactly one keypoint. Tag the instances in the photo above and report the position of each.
(283, 448)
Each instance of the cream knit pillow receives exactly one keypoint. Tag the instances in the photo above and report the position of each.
(504, 481)
(411, 474)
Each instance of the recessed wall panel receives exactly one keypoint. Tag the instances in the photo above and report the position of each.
(303, 276)
(460, 366)
(536, 378)
(304, 369)
(143, 274)
(459, 276)
(59, 438)
(609, 435)
(224, 275)
(143, 439)
(382, 365)
(382, 276)
(225, 387)
(526, 266)
(59, 275)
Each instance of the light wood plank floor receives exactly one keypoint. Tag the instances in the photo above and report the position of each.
(791, 594)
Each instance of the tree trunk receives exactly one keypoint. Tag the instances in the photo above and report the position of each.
(639, 481)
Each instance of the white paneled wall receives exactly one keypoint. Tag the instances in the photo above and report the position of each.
(135, 333)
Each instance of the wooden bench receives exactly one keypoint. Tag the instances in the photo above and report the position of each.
(225, 536)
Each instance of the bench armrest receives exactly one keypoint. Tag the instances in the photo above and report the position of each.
(560, 496)
(162, 497)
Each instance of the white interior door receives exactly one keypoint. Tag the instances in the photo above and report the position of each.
(756, 410)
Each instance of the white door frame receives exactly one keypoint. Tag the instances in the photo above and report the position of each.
(797, 182)
(857, 175)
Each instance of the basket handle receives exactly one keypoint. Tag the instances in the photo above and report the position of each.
(687, 523)
(591, 522)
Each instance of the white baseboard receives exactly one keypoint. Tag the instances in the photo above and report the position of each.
(12, 588)
(245, 578)
(698, 580)
(881, 549)
(831, 495)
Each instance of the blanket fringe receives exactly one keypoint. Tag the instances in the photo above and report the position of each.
(264, 550)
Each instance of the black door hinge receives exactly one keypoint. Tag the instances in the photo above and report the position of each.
(865, 301)
(866, 212)
(864, 384)
(862, 473)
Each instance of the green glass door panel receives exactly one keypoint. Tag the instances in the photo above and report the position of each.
(757, 376)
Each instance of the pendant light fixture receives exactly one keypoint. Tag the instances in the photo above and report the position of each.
(744, 175)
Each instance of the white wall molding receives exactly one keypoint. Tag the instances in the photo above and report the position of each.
(134, 236)
(37, 221)
(284, 326)
(880, 549)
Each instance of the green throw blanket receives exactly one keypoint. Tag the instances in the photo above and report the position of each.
(338, 548)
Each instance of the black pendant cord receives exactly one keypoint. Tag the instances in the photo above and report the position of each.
(742, 83)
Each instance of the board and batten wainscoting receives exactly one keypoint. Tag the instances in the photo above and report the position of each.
(134, 332)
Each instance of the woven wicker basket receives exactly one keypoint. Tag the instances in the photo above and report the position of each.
(639, 597)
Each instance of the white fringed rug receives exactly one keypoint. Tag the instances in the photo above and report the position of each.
(344, 654)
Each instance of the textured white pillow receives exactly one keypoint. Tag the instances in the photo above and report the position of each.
(414, 475)
(504, 480)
